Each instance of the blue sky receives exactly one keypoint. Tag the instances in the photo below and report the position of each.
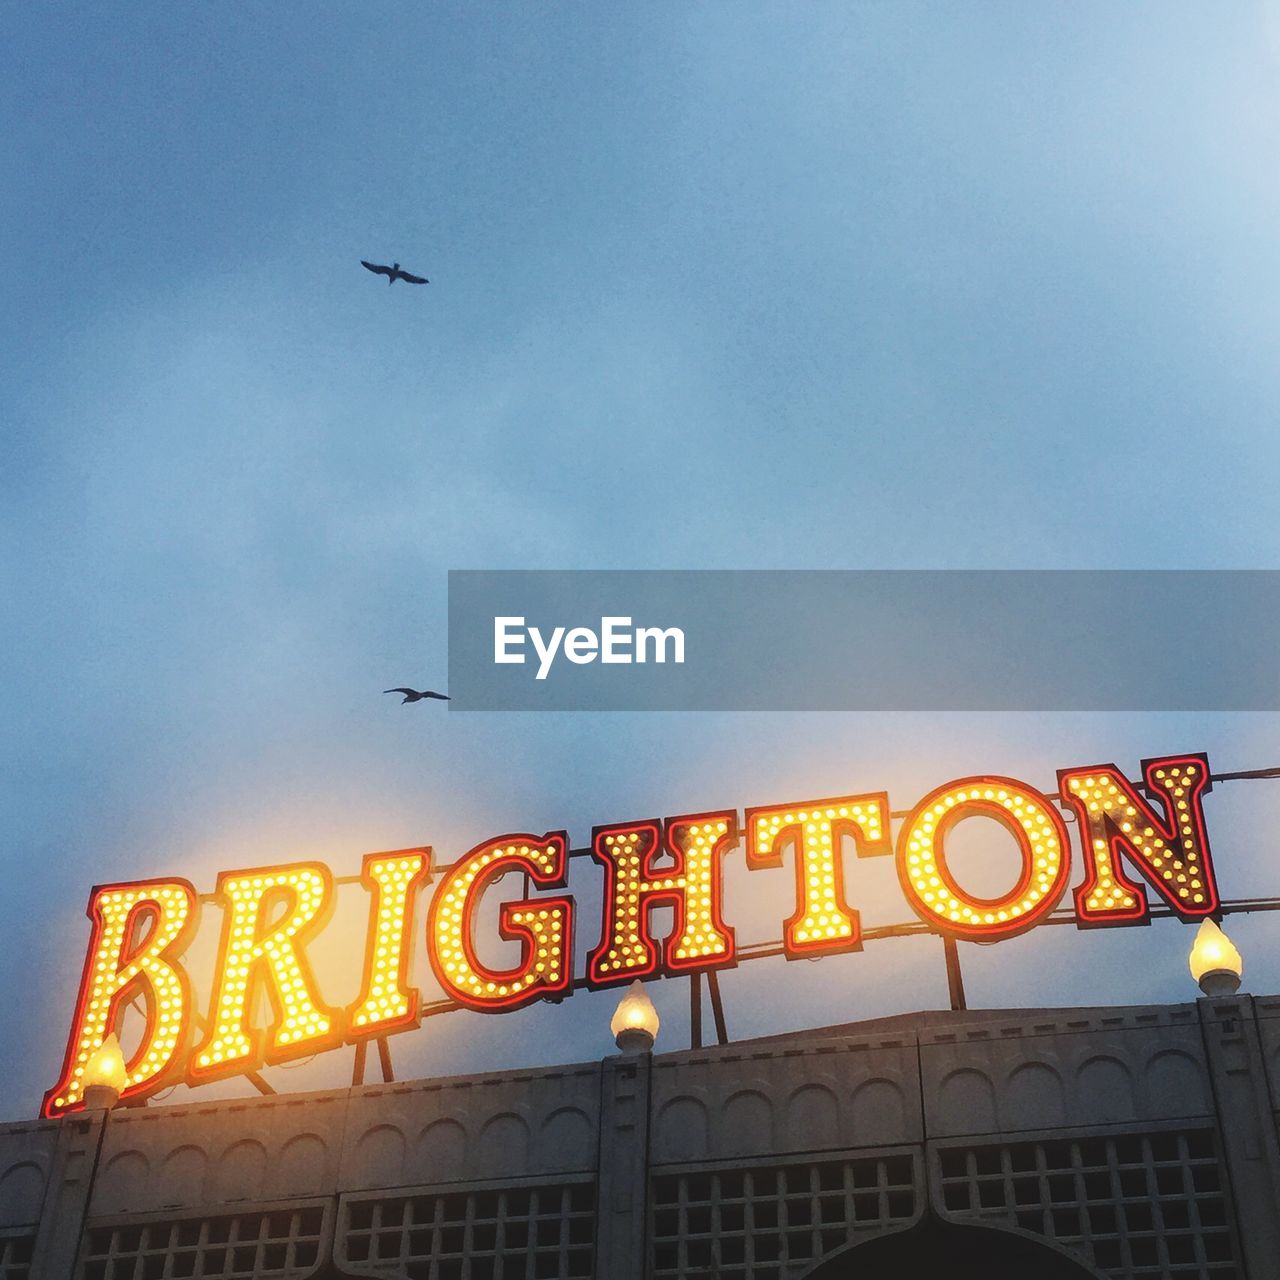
(712, 285)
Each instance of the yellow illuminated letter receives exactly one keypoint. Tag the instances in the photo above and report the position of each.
(387, 1001)
(691, 884)
(261, 947)
(1172, 853)
(543, 926)
(138, 930)
(933, 892)
(823, 920)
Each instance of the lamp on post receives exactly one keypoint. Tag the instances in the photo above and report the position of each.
(1215, 963)
(104, 1076)
(635, 1021)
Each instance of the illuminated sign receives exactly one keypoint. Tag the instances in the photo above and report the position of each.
(266, 1007)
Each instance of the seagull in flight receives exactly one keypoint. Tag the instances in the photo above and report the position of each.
(393, 273)
(412, 695)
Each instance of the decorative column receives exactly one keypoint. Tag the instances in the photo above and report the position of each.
(1248, 1133)
(622, 1189)
(67, 1198)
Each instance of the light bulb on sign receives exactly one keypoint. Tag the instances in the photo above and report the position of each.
(635, 1021)
(104, 1075)
(1215, 963)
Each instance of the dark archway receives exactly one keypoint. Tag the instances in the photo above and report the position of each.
(934, 1247)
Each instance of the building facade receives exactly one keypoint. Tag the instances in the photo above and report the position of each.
(1072, 1143)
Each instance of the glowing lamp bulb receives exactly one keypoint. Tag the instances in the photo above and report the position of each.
(1215, 963)
(635, 1021)
(104, 1075)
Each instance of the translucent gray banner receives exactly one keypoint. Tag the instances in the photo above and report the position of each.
(864, 640)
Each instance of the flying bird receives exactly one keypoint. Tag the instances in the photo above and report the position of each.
(412, 695)
(393, 273)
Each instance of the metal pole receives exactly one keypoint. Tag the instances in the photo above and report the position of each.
(384, 1057)
(955, 979)
(357, 1069)
(717, 1007)
(258, 1082)
(695, 1012)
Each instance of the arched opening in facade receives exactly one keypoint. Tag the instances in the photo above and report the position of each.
(934, 1247)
